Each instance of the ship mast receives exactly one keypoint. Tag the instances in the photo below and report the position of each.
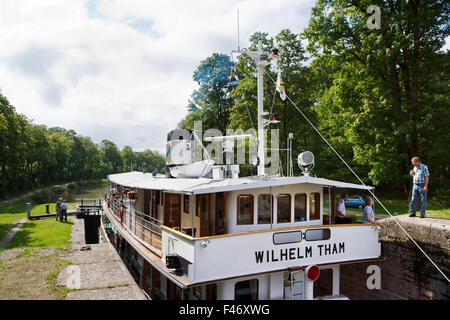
(261, 137)
(261, 59)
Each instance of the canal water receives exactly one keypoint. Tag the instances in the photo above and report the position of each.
(91, 222)
(91, 192)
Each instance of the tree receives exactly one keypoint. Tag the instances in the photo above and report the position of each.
(380, 85)
(110, 155)
(211, 102)
(129, 158)
(33, 155)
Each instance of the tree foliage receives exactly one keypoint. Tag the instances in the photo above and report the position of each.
(379, 96)
(32, 155)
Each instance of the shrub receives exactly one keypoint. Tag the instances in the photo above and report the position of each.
(43, 196)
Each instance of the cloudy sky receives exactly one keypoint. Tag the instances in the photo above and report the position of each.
(122, 70)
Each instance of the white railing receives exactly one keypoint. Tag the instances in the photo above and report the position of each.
(143, 227)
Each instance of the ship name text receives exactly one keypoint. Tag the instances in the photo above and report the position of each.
(295, 253)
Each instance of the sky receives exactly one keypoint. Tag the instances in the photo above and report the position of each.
(122, 70)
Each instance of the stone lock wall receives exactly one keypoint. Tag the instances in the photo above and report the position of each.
(406, 273)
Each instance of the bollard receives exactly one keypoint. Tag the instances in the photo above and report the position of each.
(47, 209)
(28, 210)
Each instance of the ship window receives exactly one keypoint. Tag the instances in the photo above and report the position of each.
(287, 237)
(186, 203)
(284, 208)
(156, 192)
(202, 206)
(317, 234)
(265, 215)
(314, 206)
(245, 209)
(300, 207)
(246, 290)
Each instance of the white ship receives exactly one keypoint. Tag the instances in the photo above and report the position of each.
(202, 232)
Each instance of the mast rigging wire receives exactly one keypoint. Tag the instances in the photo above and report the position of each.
(395, 220)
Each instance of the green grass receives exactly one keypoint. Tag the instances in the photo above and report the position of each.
(51, 279)
(42, 233)
(12, 213)
(33, 276)
(398, 207)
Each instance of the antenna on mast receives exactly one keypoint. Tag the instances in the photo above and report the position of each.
(262, 59)
(238, 28)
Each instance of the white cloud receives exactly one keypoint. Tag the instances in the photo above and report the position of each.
(122, 70)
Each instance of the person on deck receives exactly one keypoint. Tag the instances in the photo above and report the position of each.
(58, 208)
(64, 210)
(368, 214)
(340, 210)
(421, 178)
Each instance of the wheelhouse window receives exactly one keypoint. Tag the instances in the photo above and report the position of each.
(186, 203)
(300, 207)
(246, 290)
(284, 208)
(202, 205)
(245, 209)
(265, 214)
(314, 206)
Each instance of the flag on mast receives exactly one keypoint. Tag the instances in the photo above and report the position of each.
(234, 79)
(280, 87)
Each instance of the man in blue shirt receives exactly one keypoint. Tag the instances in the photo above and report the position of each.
(421, 177)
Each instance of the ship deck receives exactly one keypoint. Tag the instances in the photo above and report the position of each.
(152, 258)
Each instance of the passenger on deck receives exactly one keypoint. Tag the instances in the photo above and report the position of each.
(368, 214)
(340, 211)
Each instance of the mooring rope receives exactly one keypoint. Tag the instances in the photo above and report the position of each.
(339, 156)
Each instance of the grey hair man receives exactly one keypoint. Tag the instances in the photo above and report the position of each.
(421, 178)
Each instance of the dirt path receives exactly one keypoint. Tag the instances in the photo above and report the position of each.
(6, 202)
(7, 238)
(12, 200)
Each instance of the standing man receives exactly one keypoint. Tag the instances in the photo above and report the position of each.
(421, 177)
(64, 211)
(58, 208)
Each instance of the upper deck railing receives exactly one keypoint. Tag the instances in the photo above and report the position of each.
(143, 227)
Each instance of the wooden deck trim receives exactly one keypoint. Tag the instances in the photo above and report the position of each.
(265, 230)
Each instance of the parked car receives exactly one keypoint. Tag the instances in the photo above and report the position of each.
(355, 202)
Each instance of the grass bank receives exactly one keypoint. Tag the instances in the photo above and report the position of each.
(31, 274)
(43, 233)
(10, 214)
(435, 209)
